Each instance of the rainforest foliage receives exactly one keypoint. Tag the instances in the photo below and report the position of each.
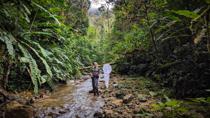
(47, 41)
(42, 42)
(167, 40)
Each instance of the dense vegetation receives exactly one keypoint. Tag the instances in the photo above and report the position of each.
(167, 40)
(46, 42)
(43, 42)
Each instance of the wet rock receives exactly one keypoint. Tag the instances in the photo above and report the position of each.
(115, 85)
(98, 115)
(13, 105)
(127, 98)
(62, 111)
(142, 98)
(136, 110)
(2, 99)
(119, 95)
(127, 115)
(168, 108)
(152, 93)
(19, 113)
(117, 102)
(159, 114)
(114, 82)
(53, 114)
(85, 77)
(131, 106)
(31, 101)
(77, 116)
(108, 113)
(17, 110)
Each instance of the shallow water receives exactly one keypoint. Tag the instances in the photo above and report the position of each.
(70, 101)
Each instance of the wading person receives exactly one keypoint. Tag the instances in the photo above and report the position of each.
(95, 77)
(107, 69)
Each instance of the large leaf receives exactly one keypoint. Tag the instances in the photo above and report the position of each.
(207, 1)
(186, 13)
(34, 71)
(8, 40)
(47, 67)
(51, 15)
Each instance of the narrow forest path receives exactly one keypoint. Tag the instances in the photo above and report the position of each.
(70, 102)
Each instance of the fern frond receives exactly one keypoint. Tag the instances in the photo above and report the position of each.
(47, 67)
(51, 15)
(33, 70)
(8, 39)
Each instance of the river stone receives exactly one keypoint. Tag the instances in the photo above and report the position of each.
(2, 99)
(142, 98)
(17, 110)
(62, 111)
(127, 98)
(98, 115)
(119, 95)
(53, 113)
(108, 113)
(117, 102)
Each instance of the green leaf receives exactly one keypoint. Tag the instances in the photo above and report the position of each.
(33, 70)
(208, 99)
(152, 93)
(44, 52)
(167, 98)
(44, 78)
(24, 60)
(26, 9)
(38, 33)
(156, 107)
(8, 39)
(47, 67)
(172, 103)
(186, 13)
(182, 109)
(207, 1)
(51, 15)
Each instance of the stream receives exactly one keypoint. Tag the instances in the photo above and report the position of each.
(70, 101)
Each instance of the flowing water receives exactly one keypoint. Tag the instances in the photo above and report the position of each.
(70, 101)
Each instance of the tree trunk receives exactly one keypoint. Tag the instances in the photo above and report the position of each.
(207, 26)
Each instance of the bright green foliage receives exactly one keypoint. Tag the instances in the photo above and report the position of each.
(186, 13)
(46, 37)
(8, 39)
(33, 68)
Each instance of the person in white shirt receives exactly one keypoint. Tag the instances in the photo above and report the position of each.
(107, 69)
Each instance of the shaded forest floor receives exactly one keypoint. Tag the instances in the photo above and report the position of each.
(134, 97)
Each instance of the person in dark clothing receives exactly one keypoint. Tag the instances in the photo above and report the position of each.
(95, 77)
